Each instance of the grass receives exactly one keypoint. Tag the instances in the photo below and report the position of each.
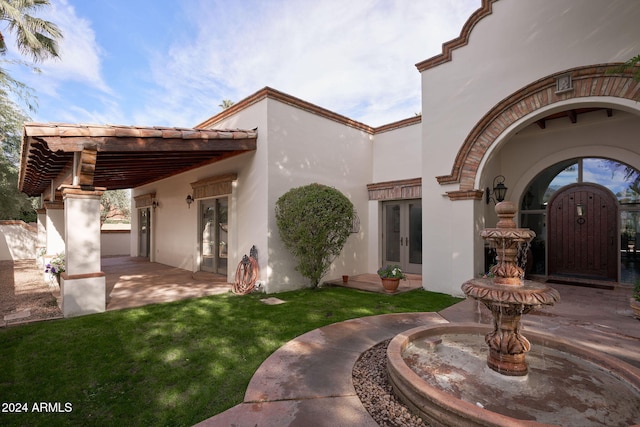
(167, 364)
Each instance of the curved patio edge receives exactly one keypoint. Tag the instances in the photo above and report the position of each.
(308, 380)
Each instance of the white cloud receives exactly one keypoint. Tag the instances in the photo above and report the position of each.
(79, 52)
(80, 55)
(355, 58)
(105, 111)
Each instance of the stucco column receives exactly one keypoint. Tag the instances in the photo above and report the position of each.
(83, 283)
(41, 240)
(54, 232)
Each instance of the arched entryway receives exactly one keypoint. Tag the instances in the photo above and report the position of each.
(588, 84)
(586, 215)
(582, 237)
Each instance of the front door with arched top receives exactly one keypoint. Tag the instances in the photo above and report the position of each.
(582, 232)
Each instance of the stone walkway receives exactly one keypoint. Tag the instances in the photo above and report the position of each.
(308, 380)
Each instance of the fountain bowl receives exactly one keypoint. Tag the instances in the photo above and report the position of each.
(574, 385)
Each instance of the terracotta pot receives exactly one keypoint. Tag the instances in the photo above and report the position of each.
(345, 279)
(635, 306)
(390, 285)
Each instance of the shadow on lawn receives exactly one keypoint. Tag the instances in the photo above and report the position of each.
(167, 364)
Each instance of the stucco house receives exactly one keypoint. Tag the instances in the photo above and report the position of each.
(522, 97)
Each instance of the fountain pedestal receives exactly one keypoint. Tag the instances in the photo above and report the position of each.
(438, 370)
(507, 295)
(507, 346)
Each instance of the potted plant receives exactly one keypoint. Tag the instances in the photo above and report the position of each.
(390, 276)
(634, 301)
(56, 267)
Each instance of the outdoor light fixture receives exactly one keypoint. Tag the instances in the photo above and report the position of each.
(155, 204)
(580, 213)
(499, 190)
(189, 200)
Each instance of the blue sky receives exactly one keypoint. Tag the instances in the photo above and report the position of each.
(172, 62)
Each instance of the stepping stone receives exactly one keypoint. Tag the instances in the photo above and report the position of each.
(18, 315)
(272, 301)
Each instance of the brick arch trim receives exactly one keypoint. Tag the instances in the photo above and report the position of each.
(586, 81)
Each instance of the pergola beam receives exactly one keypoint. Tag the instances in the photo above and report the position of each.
(119, 157)
(133, 145)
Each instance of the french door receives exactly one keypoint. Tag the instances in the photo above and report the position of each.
(583, 232)
(144, 232)
(214, 235)
(402, 235)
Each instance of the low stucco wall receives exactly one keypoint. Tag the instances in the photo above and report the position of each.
(17, 240)
(115, 242)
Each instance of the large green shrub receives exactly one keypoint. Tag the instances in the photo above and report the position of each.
(314, 223)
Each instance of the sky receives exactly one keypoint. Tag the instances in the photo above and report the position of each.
(173, 62)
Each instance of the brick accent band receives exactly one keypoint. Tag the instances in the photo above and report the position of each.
(396, 190)
(587, 81)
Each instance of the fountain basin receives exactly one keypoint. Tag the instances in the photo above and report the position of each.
(441, 374)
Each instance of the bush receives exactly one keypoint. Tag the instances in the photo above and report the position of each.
(314, 223)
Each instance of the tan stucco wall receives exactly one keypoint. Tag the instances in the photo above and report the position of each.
(17, 240)
(305, 148)
(174, 224)
(516, 45)
(115, 242)
(294, 148)
(397, 154)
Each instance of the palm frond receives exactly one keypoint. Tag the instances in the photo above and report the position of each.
(35, 37)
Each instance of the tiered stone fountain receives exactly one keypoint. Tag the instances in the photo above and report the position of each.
(507, 295)
(438, 370)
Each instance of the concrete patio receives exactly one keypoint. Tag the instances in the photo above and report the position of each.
(135, 282)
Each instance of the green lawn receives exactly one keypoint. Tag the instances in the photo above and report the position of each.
(167, 364)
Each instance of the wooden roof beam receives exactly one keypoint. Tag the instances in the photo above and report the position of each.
(84, 167)
(124, 144)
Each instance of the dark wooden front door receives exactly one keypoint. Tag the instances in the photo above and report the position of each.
(583, 246)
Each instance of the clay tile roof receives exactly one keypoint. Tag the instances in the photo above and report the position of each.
(126, 156)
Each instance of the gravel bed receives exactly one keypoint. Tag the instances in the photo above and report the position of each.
(24, 293)
(375, 393)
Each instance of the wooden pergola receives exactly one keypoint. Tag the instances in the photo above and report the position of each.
(71, 165)
(118, 157)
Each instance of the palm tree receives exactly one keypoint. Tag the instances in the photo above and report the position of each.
(226, 103)
(35, 36)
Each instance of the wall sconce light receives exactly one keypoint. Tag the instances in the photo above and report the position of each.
(189, 200)
(499, 190)
(580, 212)
(155, 204)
